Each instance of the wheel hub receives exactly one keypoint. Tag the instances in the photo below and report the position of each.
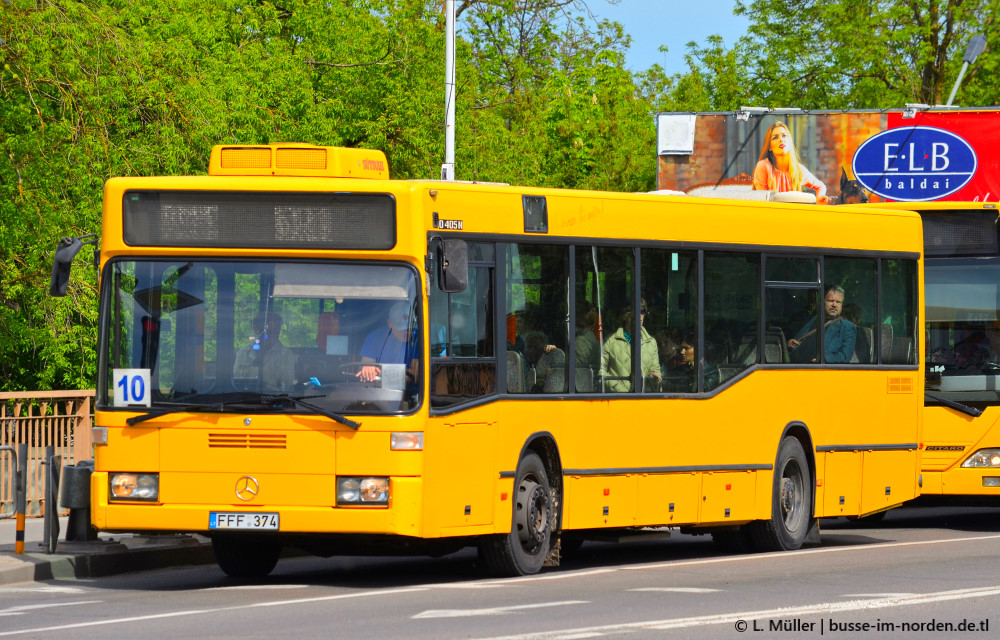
(788, 496)
(532, 515)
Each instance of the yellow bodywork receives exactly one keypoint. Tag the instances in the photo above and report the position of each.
(684, 461)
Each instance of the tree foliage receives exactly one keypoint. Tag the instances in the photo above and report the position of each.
(91, 89)
(866, 53)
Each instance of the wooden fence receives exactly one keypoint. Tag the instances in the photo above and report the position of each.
(61, 419)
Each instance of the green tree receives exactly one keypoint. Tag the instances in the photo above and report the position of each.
(864, 54)
(91, 89)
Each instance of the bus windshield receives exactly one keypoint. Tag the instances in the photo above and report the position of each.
(220, 335)
(963, 329)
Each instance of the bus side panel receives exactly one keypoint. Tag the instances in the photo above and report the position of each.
(668, 499)
(888, 479)
(728, 497)
(606, 501)
(460, 472)
(840, 493)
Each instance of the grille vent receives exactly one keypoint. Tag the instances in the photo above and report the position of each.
(899, 385)
(246, 441)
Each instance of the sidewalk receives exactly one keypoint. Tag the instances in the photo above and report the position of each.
(109, 555)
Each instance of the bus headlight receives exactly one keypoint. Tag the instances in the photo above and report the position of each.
(983, 458)
(355, 490)
(140, 487)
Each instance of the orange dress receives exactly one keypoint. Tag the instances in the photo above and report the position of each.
(767, 177)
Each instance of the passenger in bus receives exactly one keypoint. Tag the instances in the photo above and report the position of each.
(668, 341)
(685, 377)
(616, 355)
(778, 167)
(588, 341)
(524, 321)
(392, 344)
(942, 355)
(265, 358)
(544, 359)
(970, 357)
(839, 334)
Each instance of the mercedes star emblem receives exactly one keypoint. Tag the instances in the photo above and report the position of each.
(247, 488)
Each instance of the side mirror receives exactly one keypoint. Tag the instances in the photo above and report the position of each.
(66, 250)
(453, 266)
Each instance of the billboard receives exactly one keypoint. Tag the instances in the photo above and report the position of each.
(907, 155)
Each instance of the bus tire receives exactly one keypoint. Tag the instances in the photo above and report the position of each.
(523, 550)
(791, 502)
(245, 556)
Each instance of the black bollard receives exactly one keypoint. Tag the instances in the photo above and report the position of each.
(75, 496)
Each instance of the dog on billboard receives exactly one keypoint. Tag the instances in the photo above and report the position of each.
(851, 191)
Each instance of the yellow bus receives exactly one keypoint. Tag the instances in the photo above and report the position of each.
(295, 350)
(961, 457)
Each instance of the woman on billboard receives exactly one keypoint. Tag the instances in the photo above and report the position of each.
(779, 169)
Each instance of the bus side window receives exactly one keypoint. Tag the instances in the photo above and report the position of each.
(463, 361)
(537, 277)
(899, 330)
(732, 313)
(670, 286)
(603, 282)
(857, 277)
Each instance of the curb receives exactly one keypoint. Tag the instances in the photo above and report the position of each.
(101, 559)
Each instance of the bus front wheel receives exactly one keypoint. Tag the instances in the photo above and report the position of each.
(246, 556)
(523, 550)
(791, 502)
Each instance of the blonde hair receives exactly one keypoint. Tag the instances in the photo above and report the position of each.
(794, 168)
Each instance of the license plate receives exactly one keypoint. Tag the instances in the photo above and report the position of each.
(243, 521)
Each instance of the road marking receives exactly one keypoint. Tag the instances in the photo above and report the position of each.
(256, 587)
(802, 552)
(20, 610)
(677, 589)
(491, 583)
(492, 611)
(732, 618)
(562, 575)
(40, 589)
(194, 612)
(718, 619)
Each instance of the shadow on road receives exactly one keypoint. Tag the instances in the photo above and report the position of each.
(400, 572)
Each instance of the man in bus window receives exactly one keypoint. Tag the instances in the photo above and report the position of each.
(389, 345)
(616, 355)
(265, 358)
(839, 333)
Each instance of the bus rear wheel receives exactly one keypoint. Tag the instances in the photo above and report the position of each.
(791, 502)
(523, 550)
(246, 556)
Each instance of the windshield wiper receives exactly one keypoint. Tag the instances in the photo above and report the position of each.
(300, 402)
(177, 407)
(957, 406)
(266, 400)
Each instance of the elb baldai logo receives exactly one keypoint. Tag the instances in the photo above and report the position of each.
(914, 163)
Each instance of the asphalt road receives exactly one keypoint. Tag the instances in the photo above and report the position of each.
(921, 573)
